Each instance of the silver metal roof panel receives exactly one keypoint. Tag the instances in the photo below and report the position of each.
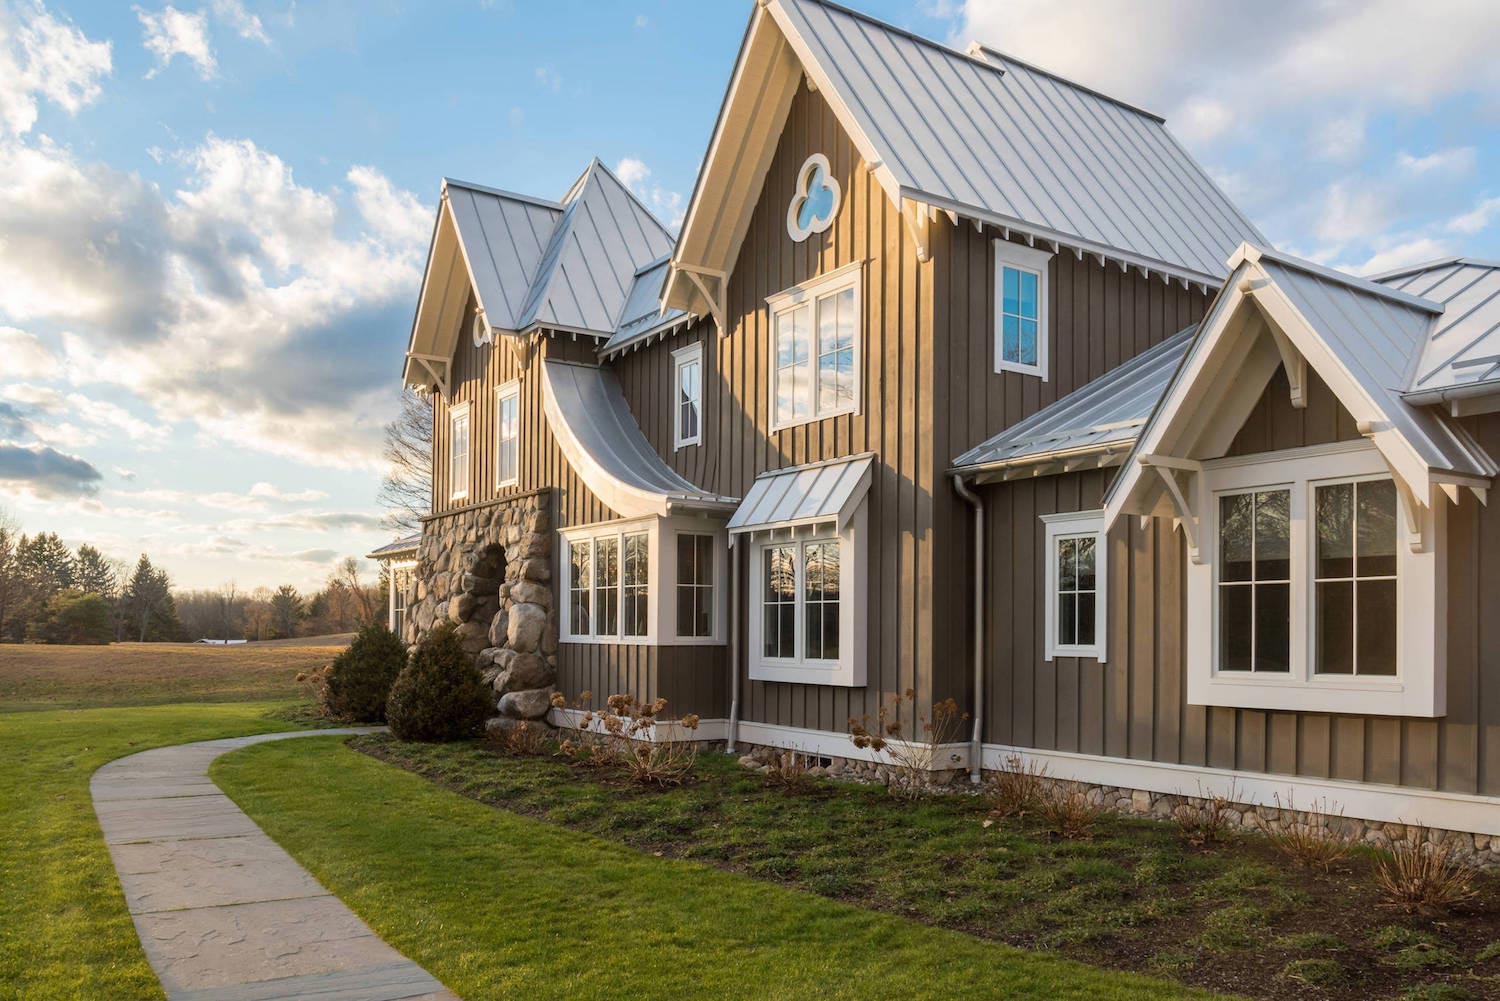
(805, 495)
(1463, 347)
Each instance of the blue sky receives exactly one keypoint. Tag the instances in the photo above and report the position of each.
(213, 213)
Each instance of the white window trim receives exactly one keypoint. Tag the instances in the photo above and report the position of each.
(795, 231)
(681, 358)
(1014, 255)
(1419, 687)
(850, 275)
(1076, 525)
(510, 390)
(850, 670)
(661, 579)
(396, 569)
(460, 412)
(720, 584)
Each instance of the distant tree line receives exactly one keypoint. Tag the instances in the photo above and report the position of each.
(52, 594)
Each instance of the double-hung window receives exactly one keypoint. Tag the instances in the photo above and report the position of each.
(608, 585)
(695, 585)
(1075, 578)
(1020, 309)
(815, 345)
(508, 435)
(800, 602)
(687, 377)
(1309, 594)
(458, 450)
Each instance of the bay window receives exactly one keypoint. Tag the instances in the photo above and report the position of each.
(815, 343)
(1309, 595)
(616, 570)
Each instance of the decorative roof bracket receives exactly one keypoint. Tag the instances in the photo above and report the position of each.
(1167, 467)
(919, 221)
(437, 367)
(712, 284)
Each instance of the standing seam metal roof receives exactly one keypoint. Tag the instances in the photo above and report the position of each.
(804, 494)
(504, 236)
(1108, 412)
(996, 136)
(1463, 347)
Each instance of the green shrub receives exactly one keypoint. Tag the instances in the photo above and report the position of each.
(358, 684)
(439, 695)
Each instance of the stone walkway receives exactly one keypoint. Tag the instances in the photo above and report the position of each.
(223, 912)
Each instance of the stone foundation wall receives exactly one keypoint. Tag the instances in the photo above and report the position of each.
(488, 570)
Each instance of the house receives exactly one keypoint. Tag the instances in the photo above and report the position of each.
(965, 379)
(398, 561)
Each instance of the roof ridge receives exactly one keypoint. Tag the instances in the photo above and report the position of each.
(904, 32)
(1381, 277)
(502, 193)
(1354, 282)
(1034, 68)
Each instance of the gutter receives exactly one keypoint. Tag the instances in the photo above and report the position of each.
(976, 741)
(1468, 391)
(734, 646)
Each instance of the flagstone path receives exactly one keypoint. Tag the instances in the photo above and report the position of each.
(222, 911)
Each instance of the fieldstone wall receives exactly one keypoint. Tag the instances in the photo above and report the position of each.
(489, 571)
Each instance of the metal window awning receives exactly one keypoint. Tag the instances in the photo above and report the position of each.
(818, 493)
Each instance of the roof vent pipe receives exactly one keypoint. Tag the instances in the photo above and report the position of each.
(976, 746)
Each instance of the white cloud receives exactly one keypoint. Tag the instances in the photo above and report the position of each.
(272, 492)
(641, 21)
(26, 357)
(1341, 137)
(170, 32)
(1414, 251)
(76, 420)
(1459, 160)
(41, 56)
(1477, 219)
(234, 14)
(1204, 119)
(1353, 211)
(666, 204)
(245, 302)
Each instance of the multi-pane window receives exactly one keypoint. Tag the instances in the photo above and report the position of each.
(1076, 590)
(1020, 309)
(401, 579)
(800, 601)
(1354, 573)
(634, 585)
(695, 585)
(458, 450)
(687, 366)
(1075, 608)
(508, 436)
(820, 593)
(1255, 581)
(609, 586)
(815, 348)
(580, 588)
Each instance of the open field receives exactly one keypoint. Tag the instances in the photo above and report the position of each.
(136, 674)
(499, 905)
(1136, 894)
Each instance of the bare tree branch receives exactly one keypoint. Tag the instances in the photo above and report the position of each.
(406, 490)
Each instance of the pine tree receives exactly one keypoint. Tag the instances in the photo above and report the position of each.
(286, 610)
(46, 563)
(10, 584)
(93, 574)
(148, 605)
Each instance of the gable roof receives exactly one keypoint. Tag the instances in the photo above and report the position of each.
(530, 263)
(1462, 353)
(1103, 417)
(1361, 337)
(982, 135)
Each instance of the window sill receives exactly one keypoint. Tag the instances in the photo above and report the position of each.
(826, 673)
(1081, 652)
(1019, 369)
(1394, 698)
(507, 484)
(689, 443)
(789, 425)
(608, 640)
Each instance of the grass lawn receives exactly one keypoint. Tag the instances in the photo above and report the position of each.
(35, 676)
(499, 905)
(1136, 896)
(64, 929)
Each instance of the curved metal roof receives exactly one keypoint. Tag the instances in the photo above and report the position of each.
(587, 413)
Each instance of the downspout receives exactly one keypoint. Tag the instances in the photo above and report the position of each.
(976, 742)
(734, 646)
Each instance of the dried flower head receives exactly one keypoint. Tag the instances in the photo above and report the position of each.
(559, 700)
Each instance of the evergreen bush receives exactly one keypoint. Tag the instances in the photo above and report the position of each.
(358, 684)
(439, 695)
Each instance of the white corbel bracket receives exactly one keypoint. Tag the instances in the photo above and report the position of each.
(919, 221)
(712, 285)
(1168, 467)
(437, 367)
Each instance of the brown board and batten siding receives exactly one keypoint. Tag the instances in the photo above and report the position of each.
(1098, 317)
(689, 677)
(1133, 705)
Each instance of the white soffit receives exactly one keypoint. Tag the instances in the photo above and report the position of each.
(820, 492)
(587, 413)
